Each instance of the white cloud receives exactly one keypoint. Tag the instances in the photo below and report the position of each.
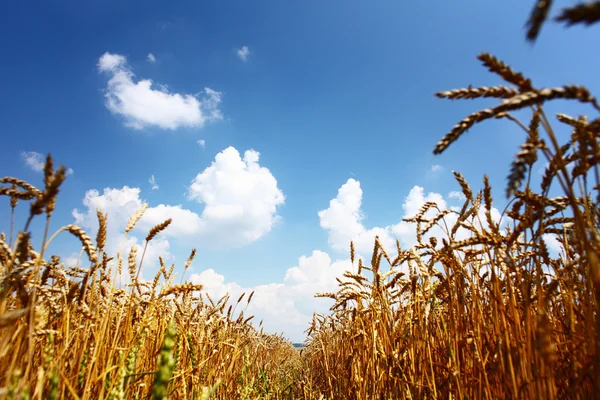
(243, 53)
(317, 269)
(284, 307)
(240, 200)
(143, 106)
(287, 306)
(186, 223)
(153, 183)
(74, 259)
(214, 284)
(210, 104)
(36, 161)
(151, 58)
(343, 221)
(405, 231)
(158, 247)
(201, 143)
(111, 62)
(553, 243)
(457, 195)
(416, 198)
(436, 168)
(120, 205)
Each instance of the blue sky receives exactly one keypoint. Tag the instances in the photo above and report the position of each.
(293, 100)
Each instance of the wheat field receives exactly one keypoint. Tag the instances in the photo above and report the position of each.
(482, 310)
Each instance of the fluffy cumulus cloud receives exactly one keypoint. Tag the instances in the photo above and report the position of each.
(457, 195)
(120, 205)
(317, 269)
(243, 53)
(214, 284)
(343, 220)
(158, 247)
(406, 232)
(553, 243)
(185, 223)
(283, 307)
(36, 161)
(240, 199)
(287, 306)
(143, 105)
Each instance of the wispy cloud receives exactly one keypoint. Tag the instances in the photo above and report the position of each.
(151, 58)
(36, 161)
(243, 53)
(164, 25)
(153, 183)
(436, 168)
(201, 143)
(143, 106)
(33, 160)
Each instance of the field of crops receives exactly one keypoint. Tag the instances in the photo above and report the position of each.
(493, 315)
